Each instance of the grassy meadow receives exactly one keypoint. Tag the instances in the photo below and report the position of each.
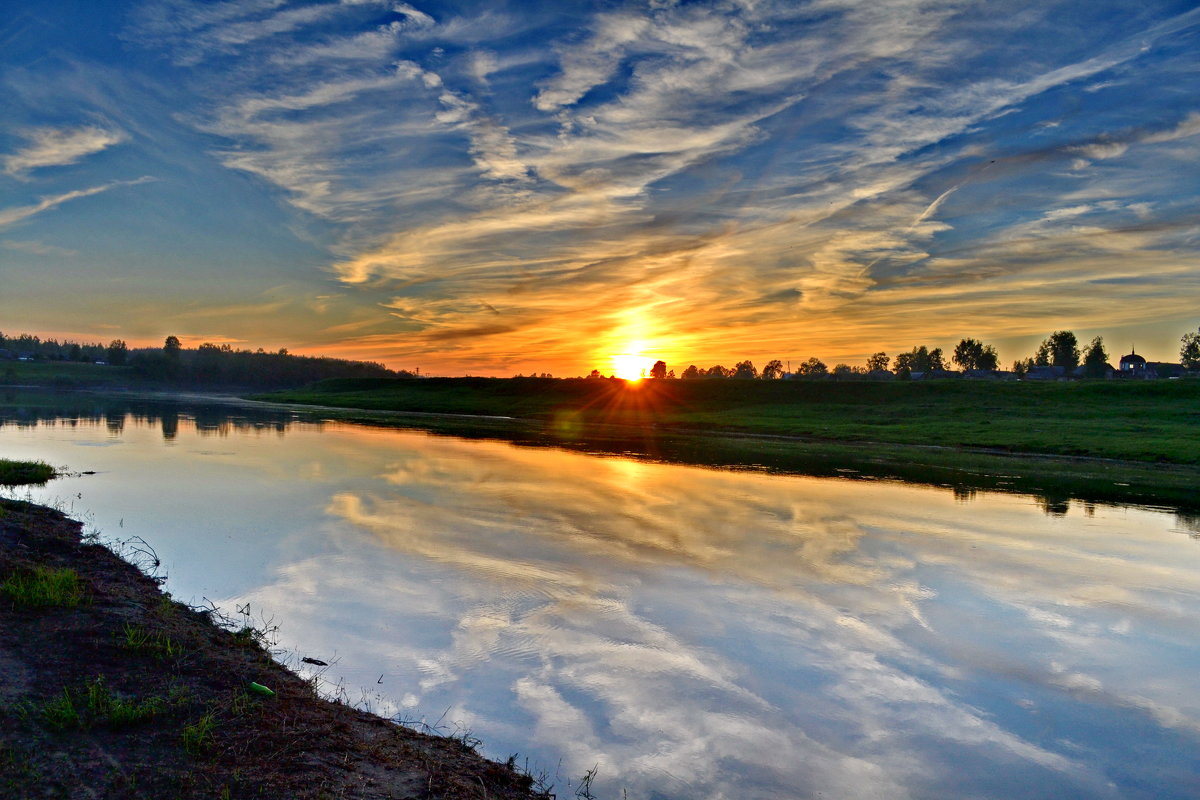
(1146, 421)
(63, 374)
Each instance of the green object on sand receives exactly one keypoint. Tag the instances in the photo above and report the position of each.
(260, 689)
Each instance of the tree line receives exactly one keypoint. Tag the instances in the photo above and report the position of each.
(1060, 349)
(25, 346)
(222, 365)
(206, 365)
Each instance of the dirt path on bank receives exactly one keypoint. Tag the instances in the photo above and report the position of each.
(113, 690)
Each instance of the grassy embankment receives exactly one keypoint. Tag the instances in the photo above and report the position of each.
(63, 374)
(1122, 441)
(111, 689)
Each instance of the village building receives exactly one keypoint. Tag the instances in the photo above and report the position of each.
(1133, 365)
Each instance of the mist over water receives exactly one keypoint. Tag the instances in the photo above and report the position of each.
(690, 632)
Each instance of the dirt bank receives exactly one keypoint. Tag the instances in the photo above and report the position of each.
(110, 689)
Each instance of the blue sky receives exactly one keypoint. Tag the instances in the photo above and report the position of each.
(493, 188)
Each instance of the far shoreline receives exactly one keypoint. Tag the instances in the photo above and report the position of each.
(731, 434)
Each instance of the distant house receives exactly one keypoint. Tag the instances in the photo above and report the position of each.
(880, 375)
(1133, 365)
(1166, 369)
(1082, 372)
(1046, 374)
(935, 375)
(989, 375)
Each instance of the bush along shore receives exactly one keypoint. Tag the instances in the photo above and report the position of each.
(111, 689)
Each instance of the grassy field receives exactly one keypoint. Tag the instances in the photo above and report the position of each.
(1135, 442)
(62, 374)
(1145, 421)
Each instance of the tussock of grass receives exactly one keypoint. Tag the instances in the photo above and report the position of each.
(43, 586)
(21, 473)
(155, 643)
(198, 736)
(94, 706)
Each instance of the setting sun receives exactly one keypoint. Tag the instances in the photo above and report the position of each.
(631, 367)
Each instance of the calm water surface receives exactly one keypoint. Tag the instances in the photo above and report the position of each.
(691, 633)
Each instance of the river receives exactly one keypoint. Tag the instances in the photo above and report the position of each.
(684, 632)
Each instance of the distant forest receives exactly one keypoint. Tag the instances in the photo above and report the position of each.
(205, 366)
(1060, 350)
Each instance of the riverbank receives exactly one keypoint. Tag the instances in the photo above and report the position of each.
(1148, 421)
(111, 689)
(1135, 442)
(548, 414)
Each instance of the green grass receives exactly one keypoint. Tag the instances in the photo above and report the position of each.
(95, 705)
(155, 643)
(1121, 442)
(62, 374)
(1152, 421)
(21, 473)
(60, 713)
(43, 586)
(198, 736)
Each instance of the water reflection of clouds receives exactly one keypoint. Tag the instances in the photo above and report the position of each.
(705, 633)
(665, 621)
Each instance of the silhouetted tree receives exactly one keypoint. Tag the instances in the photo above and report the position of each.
(919, 359)
(1021, 366)
(1095, 359)
(691, 373)
(1060, 350)
(1189, 350)
(974, 354)
(773, 370)
(594, 374)
(845, 371)
(718, 371)
(659, 370)
(813, 368)
(117, 352)
(172, 347)
(745, 370)
(878, 361)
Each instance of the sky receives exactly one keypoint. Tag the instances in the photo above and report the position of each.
(495, 188)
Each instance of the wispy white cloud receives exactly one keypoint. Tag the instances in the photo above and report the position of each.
(777, 164)
(38, 248)
(11, 216)
(1190, 126)
(55, 147)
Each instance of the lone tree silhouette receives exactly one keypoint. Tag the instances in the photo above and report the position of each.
(1189, 350)
(1095, 359)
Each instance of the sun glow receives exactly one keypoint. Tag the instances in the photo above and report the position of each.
(631, 367)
